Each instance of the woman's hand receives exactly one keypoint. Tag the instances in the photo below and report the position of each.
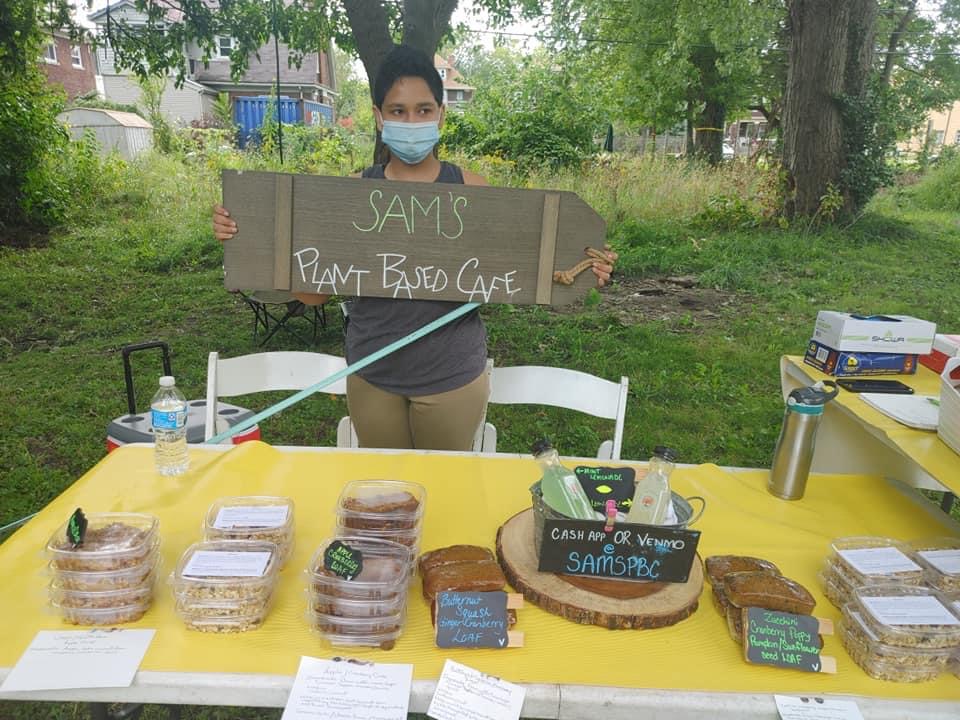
(224, 227)
(603, 270)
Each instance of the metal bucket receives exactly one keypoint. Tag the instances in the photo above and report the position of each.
(542, 512)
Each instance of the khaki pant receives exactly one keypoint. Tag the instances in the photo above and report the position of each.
(445, 421)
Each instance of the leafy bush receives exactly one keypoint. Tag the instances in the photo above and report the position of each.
(92, 100)
(30, 194)
(940, 187)
(726, 212)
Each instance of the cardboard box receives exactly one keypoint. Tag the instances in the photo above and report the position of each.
(884, 334)
(944, 348)
(843, 363)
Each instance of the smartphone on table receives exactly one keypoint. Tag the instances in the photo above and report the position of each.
(871, 385)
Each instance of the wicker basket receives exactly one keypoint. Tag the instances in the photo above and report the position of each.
(543, 512)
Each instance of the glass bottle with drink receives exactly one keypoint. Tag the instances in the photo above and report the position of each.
(652, 496)
(560, 487)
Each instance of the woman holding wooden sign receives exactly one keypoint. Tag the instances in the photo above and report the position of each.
(432, 393)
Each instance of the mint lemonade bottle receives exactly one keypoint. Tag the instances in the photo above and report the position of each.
(561, 489)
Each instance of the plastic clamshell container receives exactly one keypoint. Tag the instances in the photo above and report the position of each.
(113, 541)
(929, 635)
(384, 576)
(381, 505)
(103, 616)
(213, 623)
(887, 662)
(408, 536)
(269, 519)
(940, 559)
(379, 632)
(226, 588)
(129, 577)
(346, 608)
(102, 599)
(835, 587)
(850, 553)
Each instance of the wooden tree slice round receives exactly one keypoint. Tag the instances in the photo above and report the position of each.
(668, 604)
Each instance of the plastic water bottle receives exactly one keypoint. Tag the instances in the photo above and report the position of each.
(561, 489)
(168, 414)
(652, 497)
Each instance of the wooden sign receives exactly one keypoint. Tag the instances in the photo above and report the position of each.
(786, 640)
(426, 241)
(627, 552)
(607, 483)
(476, 620)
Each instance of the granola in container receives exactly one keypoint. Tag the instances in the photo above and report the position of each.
(254, 517)
(870, 560)
(112, 541)
(384, 576)
(908, 616)
(835, 587)
(123, 579)
(212, 623)
(62, 597)
(940, 559)
(381, 505)
(381, 632)
(227, 570)
(887, 662)
(102, 616)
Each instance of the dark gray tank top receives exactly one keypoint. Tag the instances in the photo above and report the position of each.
(446, 359)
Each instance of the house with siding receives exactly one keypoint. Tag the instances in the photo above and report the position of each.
(456, 93)
(313, 80)
(941, 129)
(69, 64)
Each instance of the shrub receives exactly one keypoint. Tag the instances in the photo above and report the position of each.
(940, 187)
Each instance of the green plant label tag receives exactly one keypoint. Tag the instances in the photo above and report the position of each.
(343, 560)
(607, 483)
(76, 528)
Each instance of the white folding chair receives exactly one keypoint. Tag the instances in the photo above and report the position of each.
(559, 387)
(347, 434)
(261, 372)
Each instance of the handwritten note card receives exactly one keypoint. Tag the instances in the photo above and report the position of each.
(815, 708)
(467, 694)
(348, 690)
(62, 660)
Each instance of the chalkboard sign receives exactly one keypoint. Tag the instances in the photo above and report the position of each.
(784, 640)
(472, 619)
(627, 552)
(425, 241)
(343, 560)
(607, 483)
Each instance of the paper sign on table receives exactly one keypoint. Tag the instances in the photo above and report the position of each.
(244, 516)
(226, 563)
(349, 690)
(69, 659)
(467, 694)
(815, 708)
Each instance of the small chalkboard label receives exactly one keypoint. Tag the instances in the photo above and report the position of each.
(627, 552)
(472, 620)
(607, 483)
(343, 560)
(784, 640)
(76, 528)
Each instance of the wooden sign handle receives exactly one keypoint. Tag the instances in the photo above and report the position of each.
(283, 231)
(548, 247)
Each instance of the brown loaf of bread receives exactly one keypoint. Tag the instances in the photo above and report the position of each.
(771, 592)
(720, 565)
(483, 576)
(453, 554)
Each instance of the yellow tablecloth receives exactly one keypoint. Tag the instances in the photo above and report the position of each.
(924, 447)
(468, 497)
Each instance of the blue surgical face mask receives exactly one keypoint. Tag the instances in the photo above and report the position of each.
(410, 142)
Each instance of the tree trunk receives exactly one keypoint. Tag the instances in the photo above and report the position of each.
(894, 43)
(812, 123)
(425, 22)
(708, 140)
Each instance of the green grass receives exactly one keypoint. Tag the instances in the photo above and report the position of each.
(142, 265)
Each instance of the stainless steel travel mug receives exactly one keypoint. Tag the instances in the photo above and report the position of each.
(794, 452)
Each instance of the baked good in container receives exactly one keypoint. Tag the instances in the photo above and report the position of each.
(908, 616)
(112, 541)
(384, 575)
(771, 592)
(381, 505)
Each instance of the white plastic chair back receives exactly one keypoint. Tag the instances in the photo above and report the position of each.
(262, 372)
